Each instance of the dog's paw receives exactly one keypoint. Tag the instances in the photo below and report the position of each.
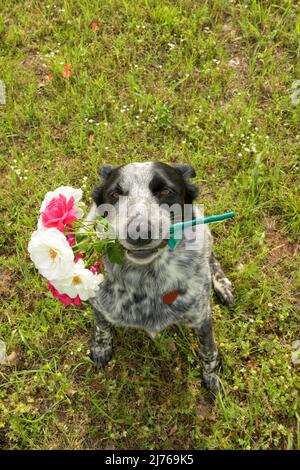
(101, 355)
(212, 383)
(224, 291)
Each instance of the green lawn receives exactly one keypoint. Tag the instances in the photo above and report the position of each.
(206, 82)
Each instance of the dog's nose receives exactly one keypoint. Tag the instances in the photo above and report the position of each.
(141, 235)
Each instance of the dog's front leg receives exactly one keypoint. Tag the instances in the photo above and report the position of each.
(209, 354)
(101, 349)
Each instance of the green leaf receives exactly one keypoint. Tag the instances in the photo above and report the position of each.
(99, 247)
(80, 236)
(116, 253)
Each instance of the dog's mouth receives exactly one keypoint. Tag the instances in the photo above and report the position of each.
(144, 254)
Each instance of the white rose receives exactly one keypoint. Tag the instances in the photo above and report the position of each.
(51, 253)
(80, 282)
(68, 192)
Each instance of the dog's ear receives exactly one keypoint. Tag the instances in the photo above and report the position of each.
(97, 195)
(105, 171)
(191, 191)
(186, 170)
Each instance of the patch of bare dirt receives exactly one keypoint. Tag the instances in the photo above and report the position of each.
(204, 409)
(238, 60)
(279, 247)
(34, 62)
(6, 282)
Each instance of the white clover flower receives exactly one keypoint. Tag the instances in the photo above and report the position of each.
(80, 281)
(68, 192)
(51, 253)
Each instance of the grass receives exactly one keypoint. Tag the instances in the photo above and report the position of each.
(208, 83)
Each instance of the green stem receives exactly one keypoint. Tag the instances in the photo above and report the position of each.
(203, 220)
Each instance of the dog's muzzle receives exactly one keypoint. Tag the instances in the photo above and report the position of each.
(140, 247)
(140, 237)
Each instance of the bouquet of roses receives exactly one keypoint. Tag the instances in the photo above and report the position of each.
(67, 251)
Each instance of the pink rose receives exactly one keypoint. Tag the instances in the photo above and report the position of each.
(71, 239)
(64, 298)
(78, 257)
(59, 212)
(95, 269)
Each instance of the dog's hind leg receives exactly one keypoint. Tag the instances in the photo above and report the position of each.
(221, 283)
(101, 349)
(209, 353)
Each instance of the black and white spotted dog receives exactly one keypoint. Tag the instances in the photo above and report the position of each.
(156, 287)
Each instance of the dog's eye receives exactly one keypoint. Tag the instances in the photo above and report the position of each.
(165, 192)
(116, 194)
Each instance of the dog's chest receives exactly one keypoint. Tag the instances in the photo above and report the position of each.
(153, 297)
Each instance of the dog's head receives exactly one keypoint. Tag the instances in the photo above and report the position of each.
(141, 200)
